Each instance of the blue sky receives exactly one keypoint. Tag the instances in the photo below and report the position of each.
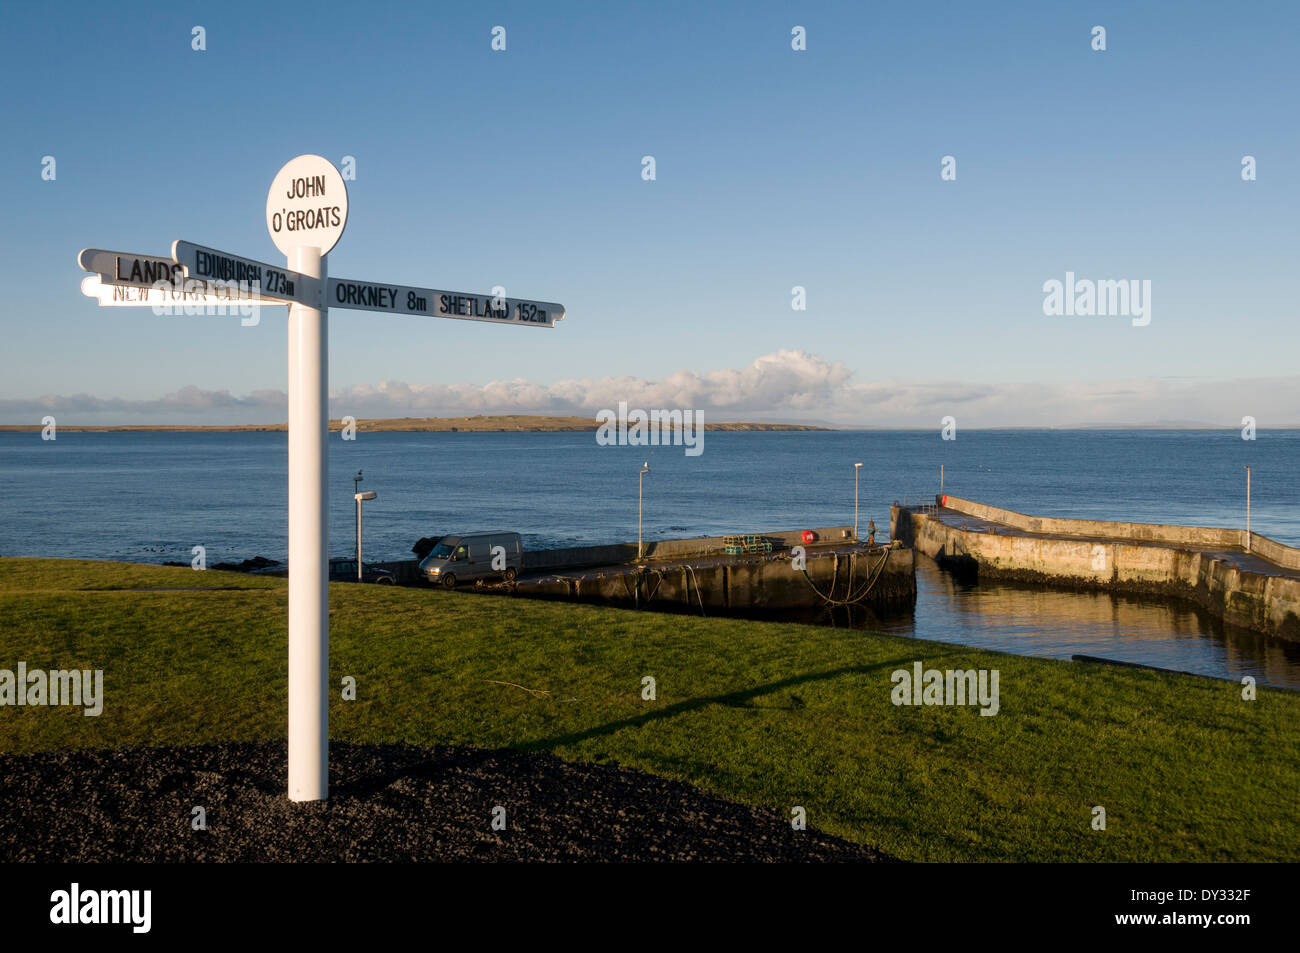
(775, 168)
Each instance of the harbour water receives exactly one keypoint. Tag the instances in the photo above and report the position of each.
(1055, 623)
(152, 497)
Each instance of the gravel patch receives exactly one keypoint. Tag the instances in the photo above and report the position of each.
(387, 803)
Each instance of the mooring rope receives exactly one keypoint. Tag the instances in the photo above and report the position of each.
(659, 578)
(698, 594)
(825, 598)
(872, 578)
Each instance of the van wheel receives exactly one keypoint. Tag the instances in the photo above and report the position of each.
(449, 581)
(510, 574)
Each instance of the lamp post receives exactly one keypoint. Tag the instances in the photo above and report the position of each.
(1247, 509)
(857, 469)
(368, 495)
(645, 468)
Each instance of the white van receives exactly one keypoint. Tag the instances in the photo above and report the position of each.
(470, 556)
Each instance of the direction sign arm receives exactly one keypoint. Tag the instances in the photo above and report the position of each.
(435, 303)
(273, 282)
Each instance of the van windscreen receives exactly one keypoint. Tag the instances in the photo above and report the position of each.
(442, 550)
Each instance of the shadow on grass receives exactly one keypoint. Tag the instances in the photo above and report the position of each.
(730, 699)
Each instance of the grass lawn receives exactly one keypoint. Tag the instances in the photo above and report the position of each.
(773, 714)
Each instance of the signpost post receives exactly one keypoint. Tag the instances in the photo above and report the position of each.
(306, 212)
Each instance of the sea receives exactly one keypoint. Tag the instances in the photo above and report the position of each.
(154, 496)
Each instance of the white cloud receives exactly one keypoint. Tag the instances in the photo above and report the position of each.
(788, 385)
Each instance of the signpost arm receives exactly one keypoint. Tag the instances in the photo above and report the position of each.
(308, 541)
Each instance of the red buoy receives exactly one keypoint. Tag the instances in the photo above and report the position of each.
(943, 500)
(809, 536)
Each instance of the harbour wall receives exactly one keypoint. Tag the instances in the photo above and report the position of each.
(697, 574)
(1207, 566)
(876, 578)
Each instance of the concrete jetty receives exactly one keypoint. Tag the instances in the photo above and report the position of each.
(1252, 582)
(699, 575)
(873, 576)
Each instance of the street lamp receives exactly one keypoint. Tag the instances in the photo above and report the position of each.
(1247, 509)
(368, 495)
(857, 469)
(645, 468)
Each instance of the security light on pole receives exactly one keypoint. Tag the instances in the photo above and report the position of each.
(1247, 509)
(645, 468)
(359, 497)
(857, 469)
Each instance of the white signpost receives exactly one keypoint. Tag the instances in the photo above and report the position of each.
(306, 212)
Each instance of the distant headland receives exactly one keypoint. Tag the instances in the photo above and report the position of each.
(486, 423)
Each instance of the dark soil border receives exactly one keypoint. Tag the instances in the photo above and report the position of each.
(387, 803)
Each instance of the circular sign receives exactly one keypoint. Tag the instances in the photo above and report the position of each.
(307, 205)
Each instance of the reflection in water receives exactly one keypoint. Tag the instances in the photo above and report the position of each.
(1059, 623)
